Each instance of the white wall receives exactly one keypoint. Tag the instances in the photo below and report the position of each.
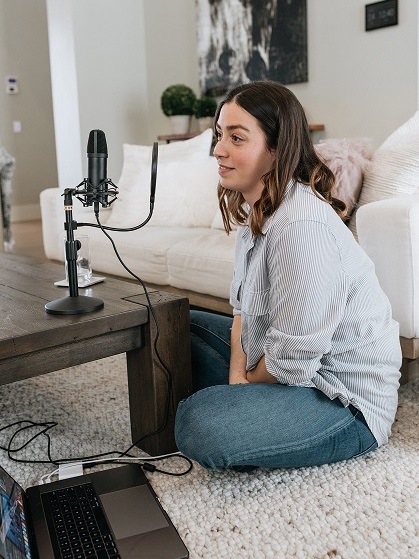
(112, 74)
(171, 50)
(126, 52)
(361, 84)
(64, 92)
(24, 53)
(125, 57)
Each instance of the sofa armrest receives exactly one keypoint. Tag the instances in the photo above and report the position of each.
(388, 231)
(53, 218)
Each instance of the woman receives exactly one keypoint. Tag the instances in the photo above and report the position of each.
(307, 370)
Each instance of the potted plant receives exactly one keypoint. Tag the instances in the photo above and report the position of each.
(204, 110)
(177, 103)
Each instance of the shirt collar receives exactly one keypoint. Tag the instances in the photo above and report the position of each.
(268, 221)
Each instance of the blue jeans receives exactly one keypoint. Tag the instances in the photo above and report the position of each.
(265, 425)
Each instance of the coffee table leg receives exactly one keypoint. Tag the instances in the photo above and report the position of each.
(148, 381)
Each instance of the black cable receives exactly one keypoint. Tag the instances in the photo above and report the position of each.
(119, 229)
(144, 462)
(46, 427)
(168, 375)
(148, 467)
(151, 468)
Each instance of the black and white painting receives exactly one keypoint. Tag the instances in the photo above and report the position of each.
(244, 40)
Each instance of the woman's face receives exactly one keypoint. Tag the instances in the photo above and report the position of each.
(241, 151)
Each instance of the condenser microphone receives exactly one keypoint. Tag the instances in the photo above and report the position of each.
(97, 155)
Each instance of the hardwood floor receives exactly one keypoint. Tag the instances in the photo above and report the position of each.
(28, 238)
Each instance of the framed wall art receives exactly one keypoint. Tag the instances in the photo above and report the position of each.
(244, 40)
(381, 14)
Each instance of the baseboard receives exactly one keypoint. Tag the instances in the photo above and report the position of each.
(26, 212)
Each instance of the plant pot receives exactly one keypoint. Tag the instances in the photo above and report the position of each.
(204, 123)
(180, 124)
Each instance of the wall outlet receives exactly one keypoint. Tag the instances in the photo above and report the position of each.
(12, 87)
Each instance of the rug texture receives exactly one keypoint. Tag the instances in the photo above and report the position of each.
(363, 508)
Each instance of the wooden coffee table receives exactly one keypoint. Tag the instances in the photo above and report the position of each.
(33, 342)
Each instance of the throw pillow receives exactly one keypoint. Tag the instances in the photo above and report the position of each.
(394, 167)
(347, 159)
(186, 188)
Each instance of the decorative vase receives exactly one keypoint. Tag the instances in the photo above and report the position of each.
(204, 123)
(180, 124)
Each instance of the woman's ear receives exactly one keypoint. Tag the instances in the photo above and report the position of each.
(272, 153)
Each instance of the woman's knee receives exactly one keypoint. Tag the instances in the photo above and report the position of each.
(200, 431)
(262, 425)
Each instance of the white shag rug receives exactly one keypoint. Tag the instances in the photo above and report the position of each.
(362, 508)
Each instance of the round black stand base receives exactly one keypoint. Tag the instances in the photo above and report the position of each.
(74, 305)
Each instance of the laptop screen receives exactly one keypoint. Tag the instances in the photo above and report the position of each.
(13, 526)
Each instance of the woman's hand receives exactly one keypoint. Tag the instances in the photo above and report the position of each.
(238, 361)
(260, 373)
(238, 378)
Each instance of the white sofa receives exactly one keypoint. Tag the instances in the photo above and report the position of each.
(184, 246)
(387, 223)
(388, 230)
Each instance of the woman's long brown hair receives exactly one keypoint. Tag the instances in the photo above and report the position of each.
(284, 123)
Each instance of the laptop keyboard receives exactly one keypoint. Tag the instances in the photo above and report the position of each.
(77, 523)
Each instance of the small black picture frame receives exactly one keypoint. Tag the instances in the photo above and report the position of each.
(381, 14)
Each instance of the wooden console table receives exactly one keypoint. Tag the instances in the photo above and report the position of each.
(179, 137)
(33, 342)
(176, 137)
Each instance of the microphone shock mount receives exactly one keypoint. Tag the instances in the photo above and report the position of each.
(90, 194)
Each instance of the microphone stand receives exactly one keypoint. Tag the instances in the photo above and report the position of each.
(75, 303)
(88, 195)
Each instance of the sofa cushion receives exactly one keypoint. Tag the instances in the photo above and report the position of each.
(394, 167)
(144, 251)
(204, 265)
(186, 191)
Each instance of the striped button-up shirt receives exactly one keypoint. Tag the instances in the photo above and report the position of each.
(310, 302)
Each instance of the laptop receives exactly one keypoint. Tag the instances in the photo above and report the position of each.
(112, 513)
